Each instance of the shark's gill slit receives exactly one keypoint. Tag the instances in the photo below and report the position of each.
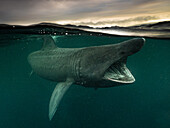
(118, 72)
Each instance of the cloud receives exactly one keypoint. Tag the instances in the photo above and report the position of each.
(122, 22)
(13, 11)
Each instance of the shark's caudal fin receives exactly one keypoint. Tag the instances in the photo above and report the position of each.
(57, 95)
(49, 43)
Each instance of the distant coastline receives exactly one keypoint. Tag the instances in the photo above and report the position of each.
(156, 30)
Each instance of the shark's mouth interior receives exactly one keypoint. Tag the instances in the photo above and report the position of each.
(118, 72)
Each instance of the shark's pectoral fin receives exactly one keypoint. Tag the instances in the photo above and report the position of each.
(57, 95)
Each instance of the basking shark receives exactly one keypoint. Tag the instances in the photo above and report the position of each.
(86, 66)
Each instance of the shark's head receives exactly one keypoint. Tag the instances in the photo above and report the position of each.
(109, 62)
(118, 71)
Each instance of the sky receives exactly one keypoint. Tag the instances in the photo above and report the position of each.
(96, 13)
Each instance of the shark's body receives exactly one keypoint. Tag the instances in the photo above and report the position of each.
(82, 65)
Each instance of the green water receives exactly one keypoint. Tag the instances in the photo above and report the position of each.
(24, 98)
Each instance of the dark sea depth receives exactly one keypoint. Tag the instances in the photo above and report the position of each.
(24, 97)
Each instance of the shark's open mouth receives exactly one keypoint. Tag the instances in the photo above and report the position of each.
(118, 72)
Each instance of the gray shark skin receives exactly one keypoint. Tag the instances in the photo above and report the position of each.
(86, 66)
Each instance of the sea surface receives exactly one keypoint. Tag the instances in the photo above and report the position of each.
(24, 97)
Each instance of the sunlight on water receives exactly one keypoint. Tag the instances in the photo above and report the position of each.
(141, 33)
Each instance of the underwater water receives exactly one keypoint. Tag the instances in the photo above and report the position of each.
(24, 97)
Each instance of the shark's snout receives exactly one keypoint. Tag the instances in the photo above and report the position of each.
(139, 42)
(132, 46)
(136, 44)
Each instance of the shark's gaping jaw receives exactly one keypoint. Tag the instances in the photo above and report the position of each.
(118, 72)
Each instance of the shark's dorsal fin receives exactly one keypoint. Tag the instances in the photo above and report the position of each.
(57, 95)
(48, 43)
